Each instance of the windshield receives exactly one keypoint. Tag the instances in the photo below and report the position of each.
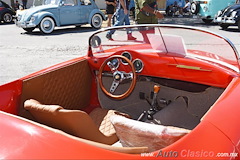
(53, 2)
(45, 2)
(167, 40)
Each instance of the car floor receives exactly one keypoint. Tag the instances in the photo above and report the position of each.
(189, 102)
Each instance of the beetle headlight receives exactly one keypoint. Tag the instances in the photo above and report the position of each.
(219, 13)
(205, 8)
(19, 17)
(234, 13)
(32, 19)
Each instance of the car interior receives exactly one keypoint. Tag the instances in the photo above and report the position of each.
(132, 100)
(61, 97)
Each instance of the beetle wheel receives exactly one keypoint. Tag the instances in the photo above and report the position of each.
(224, 26)
(7, 17)
(238, 23)
(195, 7)
(207, 21)
(47, 25)
(96, 21)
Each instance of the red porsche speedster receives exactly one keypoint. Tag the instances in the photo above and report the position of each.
(172, 93)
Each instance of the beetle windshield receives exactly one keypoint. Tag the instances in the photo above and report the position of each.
(51, 2)
(45, 2)
(166, 40)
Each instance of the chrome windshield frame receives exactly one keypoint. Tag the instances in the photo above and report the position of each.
(90, 54)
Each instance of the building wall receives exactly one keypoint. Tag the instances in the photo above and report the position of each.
(100, 3)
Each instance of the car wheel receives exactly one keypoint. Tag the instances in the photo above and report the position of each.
(96, 21)
(29, 29)
(47, 25)
(238, 23)
(7, 17)
(224, 26)
(195, 8)
(207, 21)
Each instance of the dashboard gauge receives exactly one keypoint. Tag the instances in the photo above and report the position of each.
(138, 65)
(95, 41)
(128, 56)
(114, 63)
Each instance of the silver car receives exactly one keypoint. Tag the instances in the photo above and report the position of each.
(60, 13)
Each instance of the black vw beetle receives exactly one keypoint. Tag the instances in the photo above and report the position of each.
(6, 12)
(229, 16)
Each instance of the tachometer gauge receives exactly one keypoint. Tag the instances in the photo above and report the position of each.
(138, 65)
(128, 56)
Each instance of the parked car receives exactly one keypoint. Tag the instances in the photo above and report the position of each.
(6, 12)
(60, 13)
(170, 3)
(229, 16)
(207, 9)
(163, 94)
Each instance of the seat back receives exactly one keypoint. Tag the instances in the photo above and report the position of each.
(74, 122)
(68, 86)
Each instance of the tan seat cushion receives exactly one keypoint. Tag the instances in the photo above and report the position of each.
(74, 122)
(134, 133)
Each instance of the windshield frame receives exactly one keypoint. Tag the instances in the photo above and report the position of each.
(90, 52)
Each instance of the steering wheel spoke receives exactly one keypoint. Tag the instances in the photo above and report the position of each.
(111, 66)
(127, 75)
(114, 86)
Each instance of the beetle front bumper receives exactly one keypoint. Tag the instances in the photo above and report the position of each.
(25, 24)
(225, 20)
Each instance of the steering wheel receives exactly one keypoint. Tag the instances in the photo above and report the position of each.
(118, 77)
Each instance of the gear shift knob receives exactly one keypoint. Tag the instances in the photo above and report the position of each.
(156, 88)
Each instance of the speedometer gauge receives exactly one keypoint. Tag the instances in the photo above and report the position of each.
(128, 56)
(138, 65)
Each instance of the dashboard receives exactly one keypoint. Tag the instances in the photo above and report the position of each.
(149, 63)
(137, 63)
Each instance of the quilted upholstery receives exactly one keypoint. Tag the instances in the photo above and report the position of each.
(68, 86)
(101, 117)
(74, 122)
(134, 133)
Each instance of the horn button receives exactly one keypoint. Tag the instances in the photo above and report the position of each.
(117, 76)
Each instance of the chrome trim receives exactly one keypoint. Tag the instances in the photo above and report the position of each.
(138, 71)
(126, 52)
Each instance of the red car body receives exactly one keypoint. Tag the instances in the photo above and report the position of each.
(215, 137)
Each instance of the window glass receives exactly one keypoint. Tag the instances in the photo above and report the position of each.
(85, 2)
(70, 2)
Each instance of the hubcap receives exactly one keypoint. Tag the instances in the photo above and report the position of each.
(7, 17)
(47, 25)
(96, 21)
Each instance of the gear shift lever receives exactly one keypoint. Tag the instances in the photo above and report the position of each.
(153, 109)
(156, 90)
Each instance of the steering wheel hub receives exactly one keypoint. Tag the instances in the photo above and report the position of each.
(117, 76)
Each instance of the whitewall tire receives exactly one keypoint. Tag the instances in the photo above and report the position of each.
(47, 25)
(96, 21)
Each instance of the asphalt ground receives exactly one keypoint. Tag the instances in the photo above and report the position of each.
(22, 53)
